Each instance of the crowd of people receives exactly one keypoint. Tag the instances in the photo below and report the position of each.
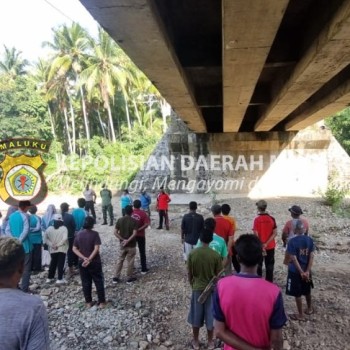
(243, 318)
(68, 244)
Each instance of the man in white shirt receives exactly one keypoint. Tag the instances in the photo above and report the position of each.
(90, 197)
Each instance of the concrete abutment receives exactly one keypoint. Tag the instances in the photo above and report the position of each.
(265, 164)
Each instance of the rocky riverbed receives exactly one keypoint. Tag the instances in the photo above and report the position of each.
(152, 312)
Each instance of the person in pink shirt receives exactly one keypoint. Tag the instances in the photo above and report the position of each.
(254, 317)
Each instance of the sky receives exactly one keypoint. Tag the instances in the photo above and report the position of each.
(26, 24)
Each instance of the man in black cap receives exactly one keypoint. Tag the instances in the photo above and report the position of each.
(289, 227)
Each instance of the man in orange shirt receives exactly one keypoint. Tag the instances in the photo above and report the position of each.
(265, 228)
(225, 209)
(162, 206)
(223, 228)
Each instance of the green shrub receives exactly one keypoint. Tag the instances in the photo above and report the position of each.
(335, 193)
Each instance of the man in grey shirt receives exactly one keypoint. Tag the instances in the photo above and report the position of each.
(23, 317)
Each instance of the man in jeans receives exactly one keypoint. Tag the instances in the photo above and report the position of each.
(18, 227)
(126, 231)
(142, 221)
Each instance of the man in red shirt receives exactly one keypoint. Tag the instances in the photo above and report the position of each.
(143, 221)
(265, 228)
(224, 229)
(162, 206)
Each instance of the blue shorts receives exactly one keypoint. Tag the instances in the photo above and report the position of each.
(296, 286)
(201, 313)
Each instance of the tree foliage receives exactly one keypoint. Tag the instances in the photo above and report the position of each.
(340, 126)
(88, 98)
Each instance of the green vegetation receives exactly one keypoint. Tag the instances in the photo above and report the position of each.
(340, 126)
(335, 193)
(101, 113)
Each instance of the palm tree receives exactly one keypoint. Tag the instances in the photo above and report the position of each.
(71, 45)
(103, 71)
(12, 63)
(40, 78)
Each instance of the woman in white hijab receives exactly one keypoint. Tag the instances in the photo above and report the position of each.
(47, 219)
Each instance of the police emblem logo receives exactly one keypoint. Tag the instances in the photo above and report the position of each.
(22, 176)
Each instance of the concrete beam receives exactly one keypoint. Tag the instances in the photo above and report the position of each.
(336, 101)
(245, 51)
(326, 57)
(137, 28)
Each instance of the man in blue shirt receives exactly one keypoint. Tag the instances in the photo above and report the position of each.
(300, 256)
(145, 202)
(18, 227)
(79, 215)
(36, 238)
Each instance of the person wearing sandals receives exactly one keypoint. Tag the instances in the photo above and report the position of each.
(87, 247)
(299, 257)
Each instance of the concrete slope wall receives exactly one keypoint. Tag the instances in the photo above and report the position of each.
(246, 164)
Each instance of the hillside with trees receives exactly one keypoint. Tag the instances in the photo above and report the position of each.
(90, 100)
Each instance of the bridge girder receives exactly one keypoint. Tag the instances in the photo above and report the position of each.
(238, 65)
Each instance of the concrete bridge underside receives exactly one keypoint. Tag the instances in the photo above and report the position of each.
(238, 65)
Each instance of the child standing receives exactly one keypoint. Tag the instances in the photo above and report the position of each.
(300, 250)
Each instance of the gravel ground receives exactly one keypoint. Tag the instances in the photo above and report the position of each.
(152, 312)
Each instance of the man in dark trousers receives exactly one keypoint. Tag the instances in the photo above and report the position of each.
(106, 196)
(90, 198)
(142, 221)
(163, 201)
(191, 226)
(265, 228)
(69, 223)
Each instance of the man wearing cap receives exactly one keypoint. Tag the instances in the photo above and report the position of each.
(289, 227)
(265, 228)
(69, 223)
(18, 227)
